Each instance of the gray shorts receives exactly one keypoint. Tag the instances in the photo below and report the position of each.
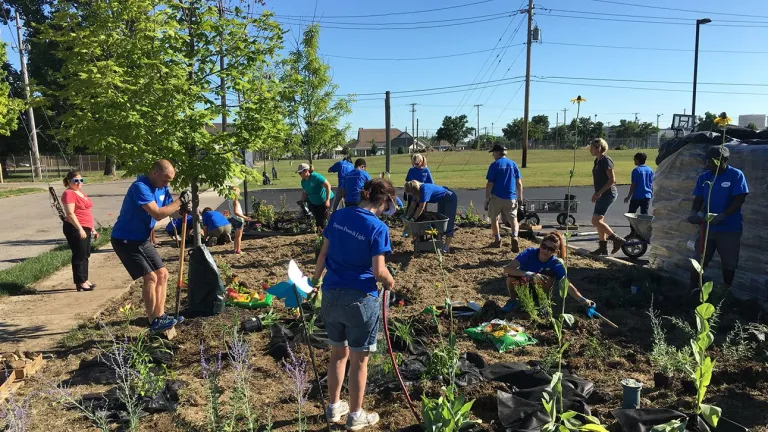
(220, 232)
(604, 202)
(351, 318)
(727, 245)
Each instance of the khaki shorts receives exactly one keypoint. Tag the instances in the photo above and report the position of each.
(506, 208)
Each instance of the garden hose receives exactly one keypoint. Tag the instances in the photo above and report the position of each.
(384, 304)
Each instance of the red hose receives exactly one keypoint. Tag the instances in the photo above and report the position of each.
(384, 304)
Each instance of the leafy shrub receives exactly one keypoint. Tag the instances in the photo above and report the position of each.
(448, 413)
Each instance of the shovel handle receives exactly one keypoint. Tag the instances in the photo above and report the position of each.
(183, 250)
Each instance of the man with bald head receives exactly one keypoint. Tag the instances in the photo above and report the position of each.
(148, 200)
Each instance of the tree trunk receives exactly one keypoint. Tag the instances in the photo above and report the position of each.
(109, 166)
(195, 213)
(4, 167)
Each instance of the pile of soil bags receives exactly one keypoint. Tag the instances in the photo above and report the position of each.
(681, 162)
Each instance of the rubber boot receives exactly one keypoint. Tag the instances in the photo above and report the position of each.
(602, 249)
(618, 242)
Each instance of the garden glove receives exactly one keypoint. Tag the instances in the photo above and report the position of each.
(718, 219)
(487, 204)
(695, 218)
(185, 199)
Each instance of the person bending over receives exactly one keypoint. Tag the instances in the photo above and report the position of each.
(447, 204)
(353, 184)
(317, 191)
(216, 228)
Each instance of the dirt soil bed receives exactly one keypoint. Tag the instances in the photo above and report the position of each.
(597, 352)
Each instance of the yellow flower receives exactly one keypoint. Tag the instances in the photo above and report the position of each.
(578, 100)
(723, 120)
(432, 232)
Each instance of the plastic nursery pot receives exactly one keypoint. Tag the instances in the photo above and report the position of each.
(663, 381)
(689, 387)
(631, 397)
(252, 325)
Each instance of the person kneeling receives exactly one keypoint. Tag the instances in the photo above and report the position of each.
(216, 227)
(540, 265)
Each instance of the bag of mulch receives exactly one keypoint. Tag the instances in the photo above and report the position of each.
(502, 334)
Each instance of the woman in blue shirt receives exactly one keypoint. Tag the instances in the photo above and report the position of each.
(418, 172)
(341, 168)
(353, 184)
(540, 266)
(356, 242)
(446, 199)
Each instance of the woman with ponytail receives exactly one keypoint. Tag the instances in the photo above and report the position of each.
(78, 228)
(542, 265)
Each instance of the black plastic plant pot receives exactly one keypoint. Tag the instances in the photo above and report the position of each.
(663, 381)
(689, 387)
(252, 325)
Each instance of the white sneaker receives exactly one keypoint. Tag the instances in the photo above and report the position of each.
(363, 420)
(334, 414)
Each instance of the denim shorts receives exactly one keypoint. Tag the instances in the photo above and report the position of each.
(351, 318)
(605, 201)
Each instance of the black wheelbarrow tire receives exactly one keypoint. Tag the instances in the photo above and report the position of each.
(634, 247)
(561, 218)
(532, 219)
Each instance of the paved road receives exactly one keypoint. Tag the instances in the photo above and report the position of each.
(615, 216)
(30, 226)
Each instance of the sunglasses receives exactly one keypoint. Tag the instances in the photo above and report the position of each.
(78, 181)
(548, 248)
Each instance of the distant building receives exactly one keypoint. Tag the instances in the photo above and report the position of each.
(757, 119)
(398, 139)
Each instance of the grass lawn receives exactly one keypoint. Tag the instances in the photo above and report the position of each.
(5, 193)
(17, 279)
(55, 179)
(467, 169)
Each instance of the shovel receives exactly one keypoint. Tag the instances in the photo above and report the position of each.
(183, 250)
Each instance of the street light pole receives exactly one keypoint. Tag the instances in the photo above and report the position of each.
(699, 22)
(657, 120)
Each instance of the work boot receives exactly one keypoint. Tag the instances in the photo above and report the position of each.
(602, 249)
(618, 242)
(515, 245)
(364, 419)
(334, 414)
(494, 244)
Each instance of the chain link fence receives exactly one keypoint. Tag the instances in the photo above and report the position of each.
(20, 167)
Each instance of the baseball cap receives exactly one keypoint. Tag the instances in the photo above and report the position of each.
(302, 167)
(497, 148)
(717, 152)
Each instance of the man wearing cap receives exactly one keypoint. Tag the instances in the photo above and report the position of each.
(502, 191)
(317, 192)
(728, 191)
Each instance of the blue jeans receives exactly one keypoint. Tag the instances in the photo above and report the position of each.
(351, 318)
(448, 207)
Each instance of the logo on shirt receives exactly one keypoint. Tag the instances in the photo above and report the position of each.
(725, 184)
(348, 231)
(162, 198)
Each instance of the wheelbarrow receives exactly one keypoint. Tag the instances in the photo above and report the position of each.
(636, 243)
(422, 241)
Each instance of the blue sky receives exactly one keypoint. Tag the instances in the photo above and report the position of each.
(503, 102)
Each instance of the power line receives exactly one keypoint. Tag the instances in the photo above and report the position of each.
(394, 27)
(421, 58)
(510, 101)
(653, 48)
(403, 13)
(402, 23)
(699, 12)
(652, 81)
(650, 22)
(649, 88)
(646, 16)
(506, 82)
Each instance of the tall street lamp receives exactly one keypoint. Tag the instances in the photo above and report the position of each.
(699, 22)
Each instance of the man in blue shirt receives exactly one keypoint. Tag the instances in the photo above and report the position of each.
(641, 190)
(148, 200)
(728, 191)
(502, 193)
(342, 168)
(216, 228)
(353, 183)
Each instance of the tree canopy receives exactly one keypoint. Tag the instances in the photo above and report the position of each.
(454, 129)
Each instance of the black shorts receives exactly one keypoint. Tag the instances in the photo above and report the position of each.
(140, 258)
(641, 204)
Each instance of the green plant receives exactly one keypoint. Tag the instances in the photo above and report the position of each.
(598, 350)
(263, 213)
(664, 357)
(443, 361)
(686, 328)
(269, 318)
(527, 304)
(150, 378)
(545, 301)
(404, 331)
(318, 243)
(470, 216)
(737, 346)
(129, 312)
(283, 203)
(224, 270)
(448, 413)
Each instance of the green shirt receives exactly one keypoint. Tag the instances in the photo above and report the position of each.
(314, 186)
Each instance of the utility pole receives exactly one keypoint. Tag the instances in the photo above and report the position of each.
(491, 128)
(386, 134)
(699, 22)
(657, 120)
(35, 162)
(636, 116)
(477, 131)
(557, 131)
(413, 117)
(565, 123)
(527, 85)
(415, 147)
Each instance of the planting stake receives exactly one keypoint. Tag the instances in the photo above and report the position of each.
(311, 353)
(181, 262)
(384, 304)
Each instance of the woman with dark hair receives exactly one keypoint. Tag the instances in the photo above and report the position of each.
(317, 191)
(446, 199)
(355, 244)
(78, 228)
(542, 266)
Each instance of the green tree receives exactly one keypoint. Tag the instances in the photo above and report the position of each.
(559, 132)
(625, 129)
(454, 129)
(314, 112)
(513, 131)
(9, 106)
(752, 126)
(538, 127)
(374, 148)
(139, 78)
(707, 122)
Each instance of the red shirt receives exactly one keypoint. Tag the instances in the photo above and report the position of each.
(83, 206)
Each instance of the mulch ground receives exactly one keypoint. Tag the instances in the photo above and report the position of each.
(597, 352)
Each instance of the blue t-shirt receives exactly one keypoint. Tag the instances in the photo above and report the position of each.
(177, 224)
(134, 223)
(504, 173)
(342, 167)
(642, 177)
(728, 184)
(529, 261)
(419, 174)
(314, 186)
(353, 183)
(213, 219)
(431, 193)
(355, 236)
